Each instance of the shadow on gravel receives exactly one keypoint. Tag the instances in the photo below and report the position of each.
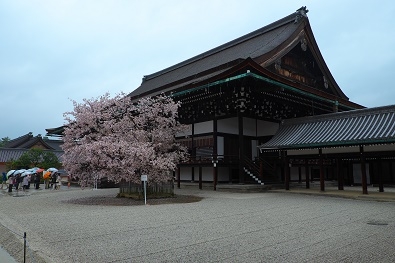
(122, 201)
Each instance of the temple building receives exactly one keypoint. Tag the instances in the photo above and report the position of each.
(265, 109)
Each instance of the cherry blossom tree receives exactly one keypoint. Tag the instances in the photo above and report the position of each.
(120, 139)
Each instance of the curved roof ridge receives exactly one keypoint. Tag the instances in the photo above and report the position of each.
(294, 17)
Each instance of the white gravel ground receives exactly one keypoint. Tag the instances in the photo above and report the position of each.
(223, 227)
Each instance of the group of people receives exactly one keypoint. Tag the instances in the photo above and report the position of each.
(23, 182)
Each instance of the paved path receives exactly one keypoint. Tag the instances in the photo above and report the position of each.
(223, 227)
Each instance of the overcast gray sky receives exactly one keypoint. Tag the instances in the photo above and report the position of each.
(54, 51)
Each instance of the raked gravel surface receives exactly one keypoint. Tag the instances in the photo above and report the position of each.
(222, 227)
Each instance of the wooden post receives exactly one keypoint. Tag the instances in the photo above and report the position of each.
(322, 175)
(215, 175)
(193, 151)
(200, 178)
(215, 152)
(300, 174)
(380, 170)
(286, 170)
(306, 163)
(363, 170)
(340, 176)
(178, 177)
(241, 148)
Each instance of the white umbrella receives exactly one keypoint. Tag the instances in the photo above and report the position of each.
(34, 169)
(10, 173)
(52, 170)
(26, 173)
(19, 171)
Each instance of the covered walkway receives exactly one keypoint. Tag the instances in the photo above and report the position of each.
(363, 137)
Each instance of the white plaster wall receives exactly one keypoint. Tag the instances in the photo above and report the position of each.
(229, 126)
(220, 145)
(353, 149)
(302, 152)
(249, 127)
(266, 128)
(376, 148)
(204, 127)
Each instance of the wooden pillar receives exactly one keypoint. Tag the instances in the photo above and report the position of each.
(300, 173)
(322, 172)
(363, 171)
(178, 177)
(306, 163)
(340, 176)
(193, 152)
(241, 148)
(286, 170)
(215, 153)
(200, 178)
(380, 177)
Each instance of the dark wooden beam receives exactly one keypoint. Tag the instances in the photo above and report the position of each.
(380, 177)
(340, 175)
(241, 148)
(363, 171)
(200, 178)
(178, 177)
(286, 169)
(307, 169)
(322, 174)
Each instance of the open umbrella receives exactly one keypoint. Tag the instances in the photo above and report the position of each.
(39, 170)
(46, 175)
(10, 173)
(52, 170)
(26, 173)
(19, 171)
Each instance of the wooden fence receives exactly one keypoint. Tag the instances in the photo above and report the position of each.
(162, 189)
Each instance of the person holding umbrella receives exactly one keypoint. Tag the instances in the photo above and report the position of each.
(10, 183)
(4, 181)
(37, 180)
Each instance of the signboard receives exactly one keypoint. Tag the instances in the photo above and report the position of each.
(144, 177)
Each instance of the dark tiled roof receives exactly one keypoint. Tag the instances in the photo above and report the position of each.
(9, 154)
(252, 45)
(28, 141)
(54, 144)
(357, 127)
(15, 143)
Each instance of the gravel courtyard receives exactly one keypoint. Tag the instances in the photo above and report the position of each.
(222, 227)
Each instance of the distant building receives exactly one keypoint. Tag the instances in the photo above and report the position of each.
(18, 146)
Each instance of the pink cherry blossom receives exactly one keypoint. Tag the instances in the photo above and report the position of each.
(121, 139)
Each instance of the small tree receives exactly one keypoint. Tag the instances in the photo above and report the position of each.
(36, 158)
(121, 139)
(4, 141)
(49, 159)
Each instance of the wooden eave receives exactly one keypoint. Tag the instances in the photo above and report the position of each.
(250, 64)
